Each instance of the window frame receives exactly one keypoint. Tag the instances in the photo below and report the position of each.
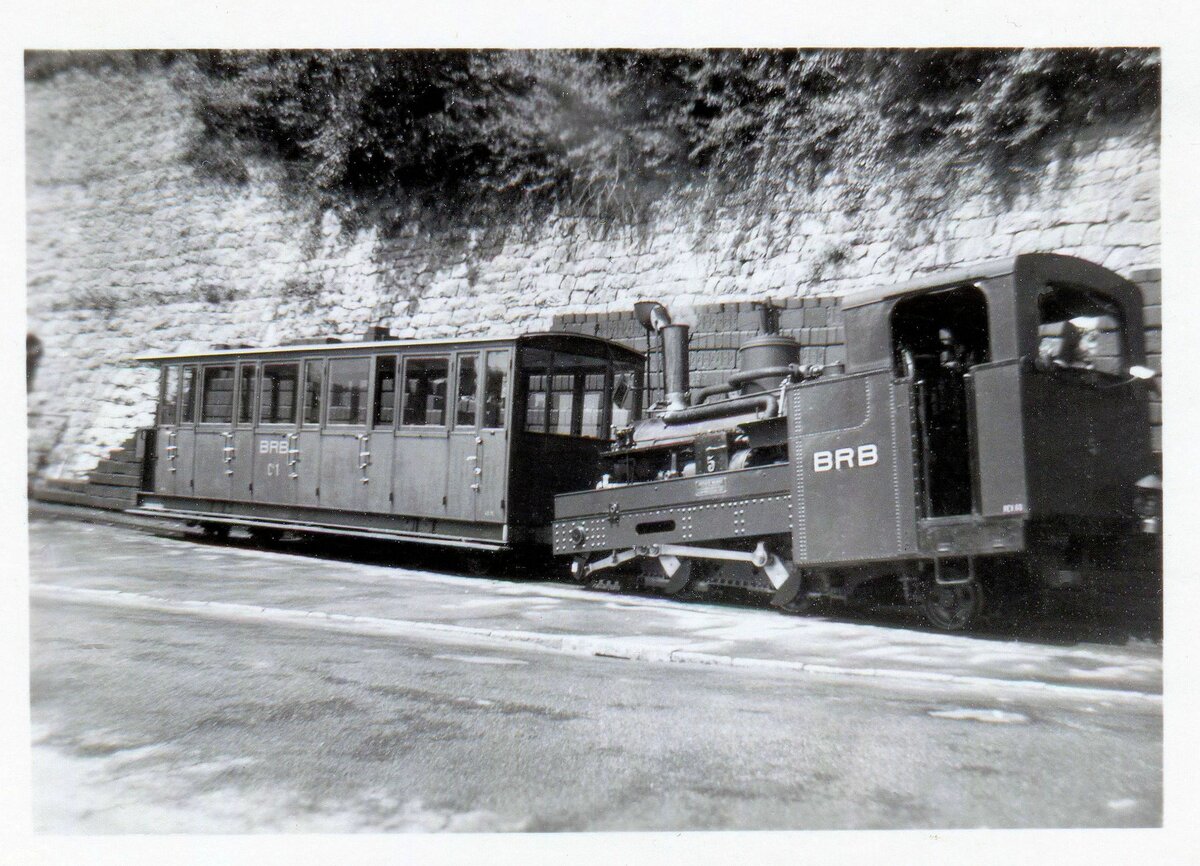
(1105, 305)
(294, 422)
(242, 366)
(164, 383)
(327, 389)
(188, 407)
(476, 356)
(578, 391)
(507, 391)
(448, 357)
(302, 413)
(397, 363)
(204, 371)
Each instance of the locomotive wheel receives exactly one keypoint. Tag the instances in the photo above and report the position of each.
(654, 577)
(792, 597)
(679, 580)
(952, 607)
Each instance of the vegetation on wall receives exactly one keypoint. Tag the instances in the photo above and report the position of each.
(473, 136)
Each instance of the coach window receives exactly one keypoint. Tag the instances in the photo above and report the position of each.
(567, 395)
(495, 389)
(562, 403)
(425, 392)
(385, 391)
(188, 401)
(314, 379)
(277, 389)
(216, 400)
(466, 395)
(1080, 330)
(349, 380)
(168, 406)
(592, 414)
(246, 394)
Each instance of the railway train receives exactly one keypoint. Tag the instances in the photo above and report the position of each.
(986, 437)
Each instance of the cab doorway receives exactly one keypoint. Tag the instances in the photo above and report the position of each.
(937, 339)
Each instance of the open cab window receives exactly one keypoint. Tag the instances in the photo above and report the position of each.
(1080, 332)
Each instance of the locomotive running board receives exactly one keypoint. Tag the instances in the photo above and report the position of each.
(382, 534)
(760, 557)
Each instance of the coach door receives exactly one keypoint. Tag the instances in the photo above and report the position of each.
(477, 473)
(169, 462)
(239, 462)
(465, 469)
(306, 449)
(276, 437)
(492, 493)
(214, 445)
(422, 442)
(345, 444)
(180, 445)
(381, 442)
(225, 434)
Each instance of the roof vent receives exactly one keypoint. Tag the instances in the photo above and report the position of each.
(377, 333)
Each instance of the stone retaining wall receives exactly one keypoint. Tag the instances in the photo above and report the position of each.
(130, 250)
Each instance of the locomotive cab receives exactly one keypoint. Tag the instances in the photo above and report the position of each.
(1029, 432)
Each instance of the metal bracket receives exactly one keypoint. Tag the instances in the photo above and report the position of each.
(954, 581)
(669, 555)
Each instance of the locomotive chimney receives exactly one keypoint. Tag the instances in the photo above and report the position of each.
(675, 365)
(653, 316)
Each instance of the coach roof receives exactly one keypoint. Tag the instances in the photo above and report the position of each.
(351, 347)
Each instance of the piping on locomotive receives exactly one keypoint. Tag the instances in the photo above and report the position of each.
(986, 437)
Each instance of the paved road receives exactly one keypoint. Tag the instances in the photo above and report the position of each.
(180, 687)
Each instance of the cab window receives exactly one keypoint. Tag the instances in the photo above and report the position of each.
(1080, 330)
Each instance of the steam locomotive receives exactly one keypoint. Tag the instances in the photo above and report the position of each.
(987, 435)
(986, 438)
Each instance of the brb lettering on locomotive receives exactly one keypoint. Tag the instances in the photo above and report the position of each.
(846, 458)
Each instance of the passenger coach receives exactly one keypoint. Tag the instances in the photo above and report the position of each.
(455, 442)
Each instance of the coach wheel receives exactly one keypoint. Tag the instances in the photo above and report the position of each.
(215, 531)
(266, 535)
(953, 606)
